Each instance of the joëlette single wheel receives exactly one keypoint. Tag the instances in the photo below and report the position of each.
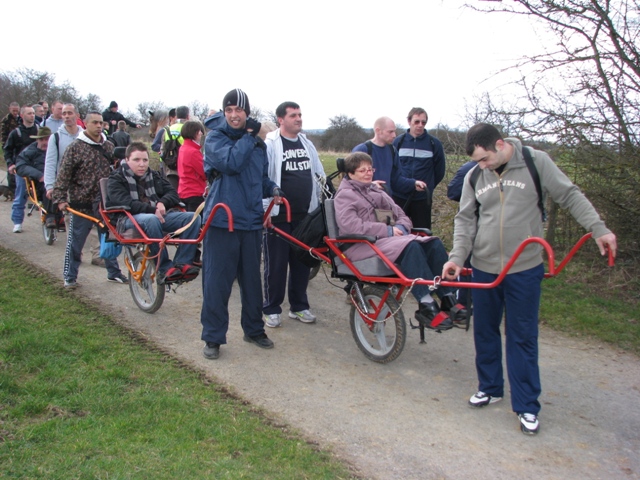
(147, 294)
(384, 340)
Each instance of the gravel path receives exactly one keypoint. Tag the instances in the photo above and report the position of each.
(405, 420)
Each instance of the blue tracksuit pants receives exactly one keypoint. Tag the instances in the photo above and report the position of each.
(225, 257)
(519, 296)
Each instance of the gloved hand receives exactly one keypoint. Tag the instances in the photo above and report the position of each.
(253, 125)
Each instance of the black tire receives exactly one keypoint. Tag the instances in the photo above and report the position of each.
(49, 234)
(314, 271)
(147, 294)
(384, 342)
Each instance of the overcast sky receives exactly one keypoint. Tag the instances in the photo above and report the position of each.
(364, 59)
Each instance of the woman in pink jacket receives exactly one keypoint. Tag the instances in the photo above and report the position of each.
(362, 208)
(193, 181)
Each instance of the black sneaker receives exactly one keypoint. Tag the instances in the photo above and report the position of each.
(119, 278)
(529, 423)
(211, 351)
(261, 340)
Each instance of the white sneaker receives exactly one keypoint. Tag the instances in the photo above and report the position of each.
(17, 228)
(272, 320)
(529, 423)
(480, 399)
(305, 316)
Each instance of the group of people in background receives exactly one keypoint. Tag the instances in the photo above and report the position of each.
(248, 164)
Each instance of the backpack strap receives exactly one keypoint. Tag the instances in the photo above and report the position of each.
(369, 145)
(56, 137)
(528, 159)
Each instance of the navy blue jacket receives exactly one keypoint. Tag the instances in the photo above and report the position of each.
(421, 158)
(388, 169)
(30, 162)
(454, 189)
(242, 178)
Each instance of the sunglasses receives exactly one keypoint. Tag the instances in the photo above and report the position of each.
(419, 122)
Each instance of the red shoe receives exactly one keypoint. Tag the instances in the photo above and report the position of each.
(172, 275)
(189, 272)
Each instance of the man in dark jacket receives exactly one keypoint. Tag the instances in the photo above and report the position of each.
(19, 139)
(149, 198)
(422, 158)
(236, 163)
(112, 116)
(30, 163)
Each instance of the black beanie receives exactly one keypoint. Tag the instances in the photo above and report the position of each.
(237, 97)
(113, 104)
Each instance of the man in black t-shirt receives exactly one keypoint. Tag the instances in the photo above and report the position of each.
(294, 165)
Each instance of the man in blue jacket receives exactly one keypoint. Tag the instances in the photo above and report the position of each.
(236, 164)
(387, 172)
(422, 158)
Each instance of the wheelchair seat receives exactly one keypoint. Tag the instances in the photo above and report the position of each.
(371, 267)
(129, 233)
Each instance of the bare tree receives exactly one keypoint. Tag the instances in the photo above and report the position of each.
(583, 92)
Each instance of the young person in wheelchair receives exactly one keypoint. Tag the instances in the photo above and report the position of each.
(149, 198)
(362, 208)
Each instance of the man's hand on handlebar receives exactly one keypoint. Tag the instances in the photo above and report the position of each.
(607, 241)
(450, 271)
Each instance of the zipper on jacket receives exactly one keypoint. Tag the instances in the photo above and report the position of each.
(501, 220)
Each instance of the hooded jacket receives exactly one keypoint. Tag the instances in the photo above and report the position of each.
(55, 152)
(509, 213)
(236, 164)
(274, 155)
(355, 204)
(82, 166)
(422, 158)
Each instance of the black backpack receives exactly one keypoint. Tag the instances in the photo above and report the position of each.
(170, 149)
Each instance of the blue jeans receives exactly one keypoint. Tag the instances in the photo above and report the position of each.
(77, 233)
(518, 296)
(172, 222)
(19, 201)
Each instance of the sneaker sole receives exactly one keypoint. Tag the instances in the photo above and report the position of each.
(116, 280)
(300, 319)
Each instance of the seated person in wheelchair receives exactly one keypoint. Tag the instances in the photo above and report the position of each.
(30, 164)
(149, 198)
(361, 208)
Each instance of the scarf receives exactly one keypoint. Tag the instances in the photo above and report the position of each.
(146, 182)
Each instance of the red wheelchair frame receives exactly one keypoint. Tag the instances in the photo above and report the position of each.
(376, 318)
(147, 293)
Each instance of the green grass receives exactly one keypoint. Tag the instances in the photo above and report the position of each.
(572, 303)
(82, 398)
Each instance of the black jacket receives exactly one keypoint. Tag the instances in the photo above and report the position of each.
(119, 195)
(18, 140)
(108, 116)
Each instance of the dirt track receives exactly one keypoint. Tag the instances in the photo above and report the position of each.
(405, 420)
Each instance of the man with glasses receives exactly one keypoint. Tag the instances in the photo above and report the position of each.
(422, 158)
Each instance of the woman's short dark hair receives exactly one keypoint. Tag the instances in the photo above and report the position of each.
(135, 147)
(353, 161)
(191, 128)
